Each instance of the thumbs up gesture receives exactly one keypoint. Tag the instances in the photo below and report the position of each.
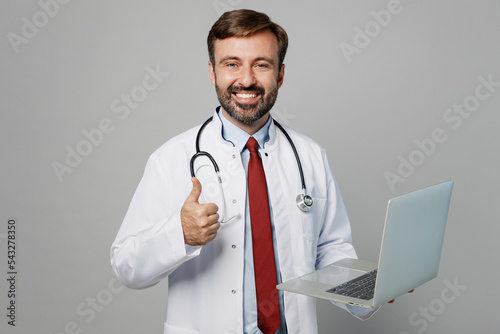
(199, 221)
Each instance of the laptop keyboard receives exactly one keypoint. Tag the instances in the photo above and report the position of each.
(361, 287)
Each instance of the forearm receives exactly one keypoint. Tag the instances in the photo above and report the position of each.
(143, 258)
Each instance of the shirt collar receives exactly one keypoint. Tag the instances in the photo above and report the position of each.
(238, 137)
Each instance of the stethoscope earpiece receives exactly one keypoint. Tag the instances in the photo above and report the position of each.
(304, 202)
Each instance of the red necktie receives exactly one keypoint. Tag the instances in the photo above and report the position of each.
(262, 242)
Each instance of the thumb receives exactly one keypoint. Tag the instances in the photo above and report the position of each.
(194, 195)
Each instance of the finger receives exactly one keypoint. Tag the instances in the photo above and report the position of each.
(205, 221)
(210, 237)
(211, 232)
(194, 195)
(214, 228)
(211, 223)
(214, 218)
(210, 208)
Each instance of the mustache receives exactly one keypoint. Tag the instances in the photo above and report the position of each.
(252, 88)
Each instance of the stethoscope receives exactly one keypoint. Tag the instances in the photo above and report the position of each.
(304, 201)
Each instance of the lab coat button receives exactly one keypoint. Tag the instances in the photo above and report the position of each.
(233, 291)
(233, 246)
(234, 201)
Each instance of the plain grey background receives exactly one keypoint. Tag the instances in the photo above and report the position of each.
(396, 91)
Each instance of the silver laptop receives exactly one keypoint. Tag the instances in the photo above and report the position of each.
(409, 255)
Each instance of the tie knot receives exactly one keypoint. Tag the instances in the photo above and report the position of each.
(252, 145)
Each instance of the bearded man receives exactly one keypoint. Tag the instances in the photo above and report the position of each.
(225, 242)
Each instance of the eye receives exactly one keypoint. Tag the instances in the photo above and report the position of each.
(263, 66)
(230, 66)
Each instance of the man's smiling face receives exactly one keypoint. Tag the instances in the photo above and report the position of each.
(247, 76)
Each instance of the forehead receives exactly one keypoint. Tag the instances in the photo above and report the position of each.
(261, 44)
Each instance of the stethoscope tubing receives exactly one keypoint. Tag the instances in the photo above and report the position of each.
(304, 202)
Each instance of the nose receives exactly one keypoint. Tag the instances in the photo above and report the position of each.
(247, 77)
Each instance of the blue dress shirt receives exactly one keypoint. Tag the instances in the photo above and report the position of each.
(239, 138)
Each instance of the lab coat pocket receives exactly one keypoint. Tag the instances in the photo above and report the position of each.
(313, 220)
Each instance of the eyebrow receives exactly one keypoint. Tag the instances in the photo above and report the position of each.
(228, 58)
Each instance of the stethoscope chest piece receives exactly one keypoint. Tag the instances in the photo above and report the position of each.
(304, 202)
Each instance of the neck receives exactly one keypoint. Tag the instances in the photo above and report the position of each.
(251, 128)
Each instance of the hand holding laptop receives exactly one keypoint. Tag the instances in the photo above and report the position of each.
(392, 301)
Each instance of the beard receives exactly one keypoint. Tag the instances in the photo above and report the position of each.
(243, 112)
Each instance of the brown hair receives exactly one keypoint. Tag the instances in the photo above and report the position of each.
(245, 22)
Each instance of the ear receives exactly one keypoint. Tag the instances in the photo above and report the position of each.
(211, 72)
(281, 75)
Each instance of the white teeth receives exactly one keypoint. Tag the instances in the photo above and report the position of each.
(246, 96)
